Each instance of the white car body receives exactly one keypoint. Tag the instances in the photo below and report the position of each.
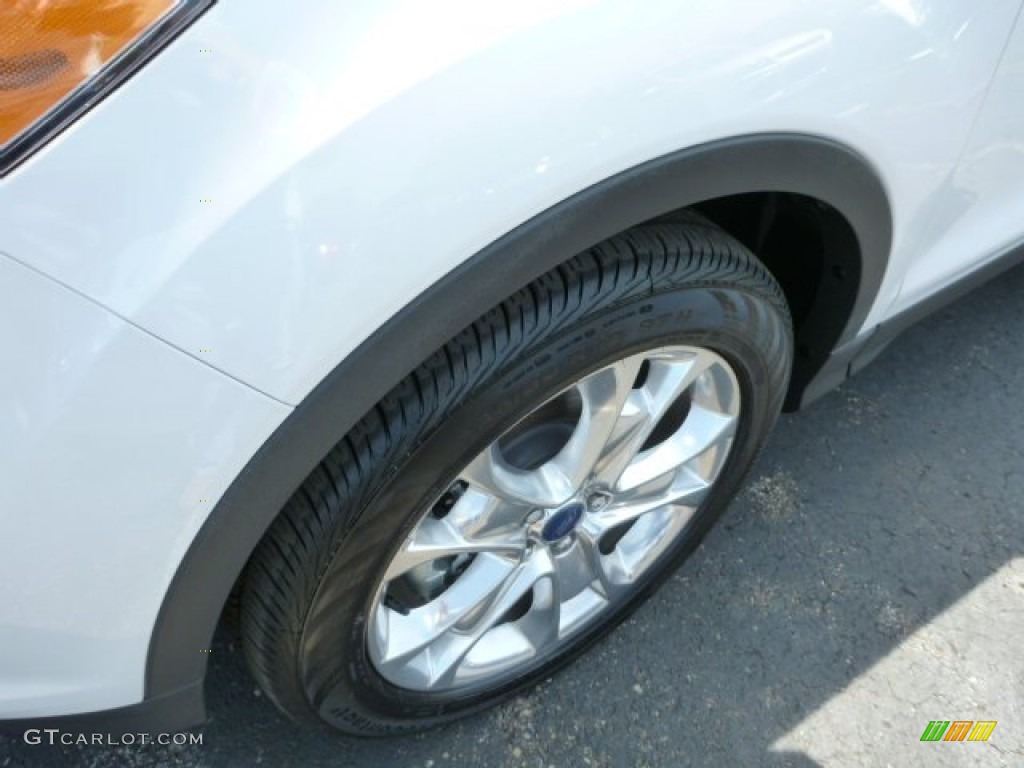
(354, 155)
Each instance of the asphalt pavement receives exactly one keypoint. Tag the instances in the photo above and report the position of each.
(868, 580)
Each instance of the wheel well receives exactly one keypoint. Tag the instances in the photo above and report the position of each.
(829, 264)
(812, 250)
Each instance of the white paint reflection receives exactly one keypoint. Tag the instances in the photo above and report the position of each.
(911, 11)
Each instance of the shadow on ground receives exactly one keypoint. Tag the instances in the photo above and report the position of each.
(869, 514)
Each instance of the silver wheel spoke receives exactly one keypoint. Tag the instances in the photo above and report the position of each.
(703, 429)
(487, 522)
(589, 539)
(682, 486)
(603, 396)
(642, 411)
(447, 657)
(407, 635)
(546, 486)
(540, 625)
(434, 539)
(606, 421)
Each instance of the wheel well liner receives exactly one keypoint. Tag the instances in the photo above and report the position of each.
(803, 165)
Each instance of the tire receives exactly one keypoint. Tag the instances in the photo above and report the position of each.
(314, 593)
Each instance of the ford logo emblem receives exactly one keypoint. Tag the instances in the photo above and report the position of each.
(562, 522)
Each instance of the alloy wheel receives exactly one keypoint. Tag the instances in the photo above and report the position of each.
(555, 522)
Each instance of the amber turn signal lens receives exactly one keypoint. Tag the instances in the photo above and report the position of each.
(49, 48)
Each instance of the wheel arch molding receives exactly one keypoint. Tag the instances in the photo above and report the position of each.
(831, 174)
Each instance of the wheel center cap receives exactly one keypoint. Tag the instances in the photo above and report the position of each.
(562, 523)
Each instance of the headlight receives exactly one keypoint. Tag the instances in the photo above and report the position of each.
(60, 57)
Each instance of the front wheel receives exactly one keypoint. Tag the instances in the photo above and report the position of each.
(523, 490)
